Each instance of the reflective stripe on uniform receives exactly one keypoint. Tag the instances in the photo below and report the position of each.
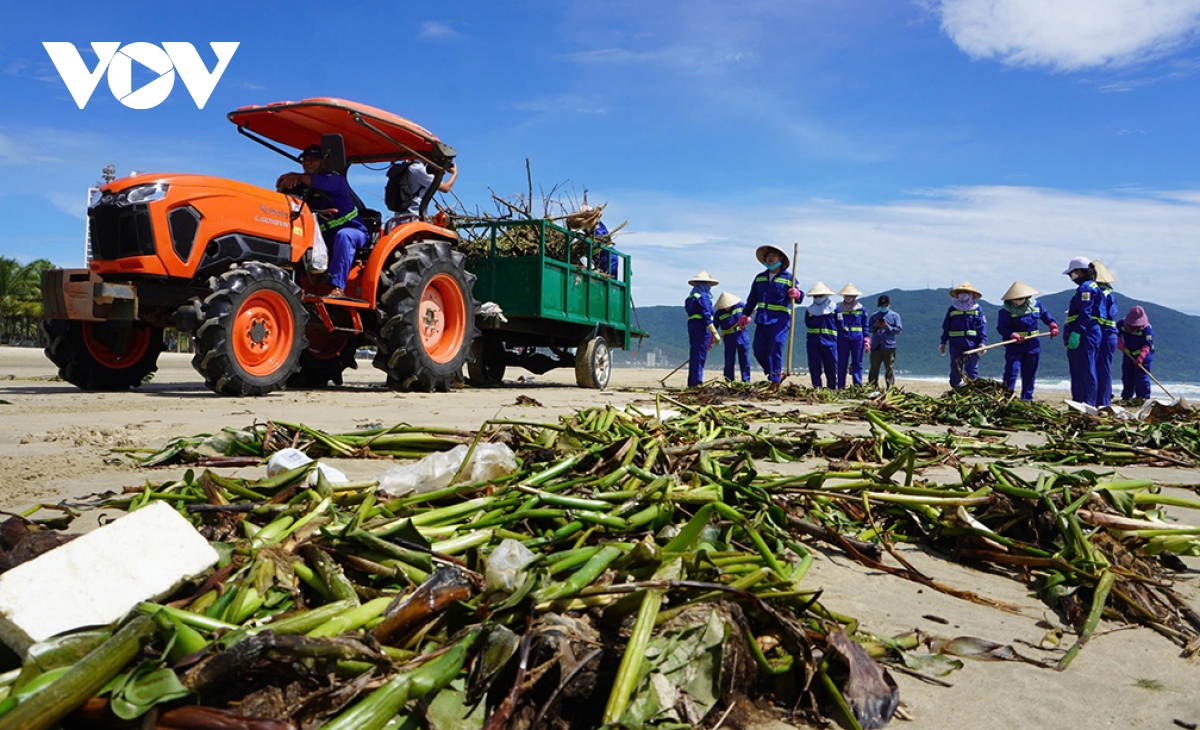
(329, 225)
(821, 331)
(1105, 322)
(963, 333)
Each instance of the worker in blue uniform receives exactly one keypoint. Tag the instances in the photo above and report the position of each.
(963, 328)
(1083, 330)
(1108, 334)
(770, 296)
(734, 336)
(882, 327)
(702, 333)
(330, 197)
(820, 321)
(851, 326)
(1137, 348)
(1018, 320)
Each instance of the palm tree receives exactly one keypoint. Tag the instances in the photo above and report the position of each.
(20, 297)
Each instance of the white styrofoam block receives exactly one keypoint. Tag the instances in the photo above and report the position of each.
(98, 577)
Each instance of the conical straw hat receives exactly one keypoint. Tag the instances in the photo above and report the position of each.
(820, 290)
(850, 291)
(966, 286)
(1103, 275)
(726, 300)
(761, 253)
(702, 278)
(1019, 290)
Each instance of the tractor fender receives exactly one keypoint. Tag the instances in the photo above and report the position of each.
(396, 239)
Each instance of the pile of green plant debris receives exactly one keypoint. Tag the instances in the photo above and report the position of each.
(640, 570)
(1172, 438)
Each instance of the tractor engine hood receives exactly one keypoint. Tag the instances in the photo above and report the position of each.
(182, 225)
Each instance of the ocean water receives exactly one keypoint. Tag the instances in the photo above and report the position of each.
(1190, 391)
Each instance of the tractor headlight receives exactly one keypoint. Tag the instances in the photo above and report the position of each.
(95, 198)
(143, 194)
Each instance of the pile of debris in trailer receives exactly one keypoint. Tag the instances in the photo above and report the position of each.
(627, 567)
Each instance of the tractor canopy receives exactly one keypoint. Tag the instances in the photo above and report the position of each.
(369, 134)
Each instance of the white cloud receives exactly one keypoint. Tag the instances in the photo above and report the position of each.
(1069, 35)
(569, 103)
(988, 235)
(73, 204)
(436, 31)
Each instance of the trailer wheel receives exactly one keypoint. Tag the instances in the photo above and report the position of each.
(327, 356)
(593, 364)
(251, 332)
(100, 355)
(428, 316)
(486, 366)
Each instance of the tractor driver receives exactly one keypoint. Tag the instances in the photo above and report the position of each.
(329, 196)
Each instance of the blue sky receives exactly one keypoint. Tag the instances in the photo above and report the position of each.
(902, 144)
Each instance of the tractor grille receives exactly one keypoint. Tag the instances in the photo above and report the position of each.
(120, 231)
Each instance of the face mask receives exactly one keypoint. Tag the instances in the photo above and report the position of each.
(774, 265)
(704, 288)
(884, 309)
(965, 298)
(821, 300)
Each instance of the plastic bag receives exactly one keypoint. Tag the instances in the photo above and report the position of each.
(320, 252)
(504, 566)
(288, 459)
(489, 461)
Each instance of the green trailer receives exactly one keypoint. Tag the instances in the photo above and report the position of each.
(559, 309)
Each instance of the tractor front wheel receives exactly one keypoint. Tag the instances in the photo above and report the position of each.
(428, 318)
(251, 332)
(103, 355)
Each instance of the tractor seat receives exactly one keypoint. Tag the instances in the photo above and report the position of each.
(373, 220)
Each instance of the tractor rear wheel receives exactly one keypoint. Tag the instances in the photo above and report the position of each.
(251, 332)
(103, 355)
(327, 356)
(593, 363)
(486, 366)
(428, 318)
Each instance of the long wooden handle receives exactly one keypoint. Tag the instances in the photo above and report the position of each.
(1147, 372)
(681, 366)
(792, 324)
(1002, 344)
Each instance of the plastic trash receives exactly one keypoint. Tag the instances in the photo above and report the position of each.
(220, 443)
(288, 459)
(489, 461)
(504, 566)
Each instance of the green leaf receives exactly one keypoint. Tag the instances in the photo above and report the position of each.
(939, 665)
(683, 661)
(144, 690)
(450, 710)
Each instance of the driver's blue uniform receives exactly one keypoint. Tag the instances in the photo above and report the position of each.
(344, 233)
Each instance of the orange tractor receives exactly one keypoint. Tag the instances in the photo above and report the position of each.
(229, 263)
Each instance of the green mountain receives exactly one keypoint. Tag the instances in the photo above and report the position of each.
(1176, 357)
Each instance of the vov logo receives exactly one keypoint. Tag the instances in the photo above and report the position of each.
(118, 61)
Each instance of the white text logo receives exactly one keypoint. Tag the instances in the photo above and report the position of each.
(118, 61)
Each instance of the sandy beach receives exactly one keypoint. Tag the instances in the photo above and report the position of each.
(56, 442)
